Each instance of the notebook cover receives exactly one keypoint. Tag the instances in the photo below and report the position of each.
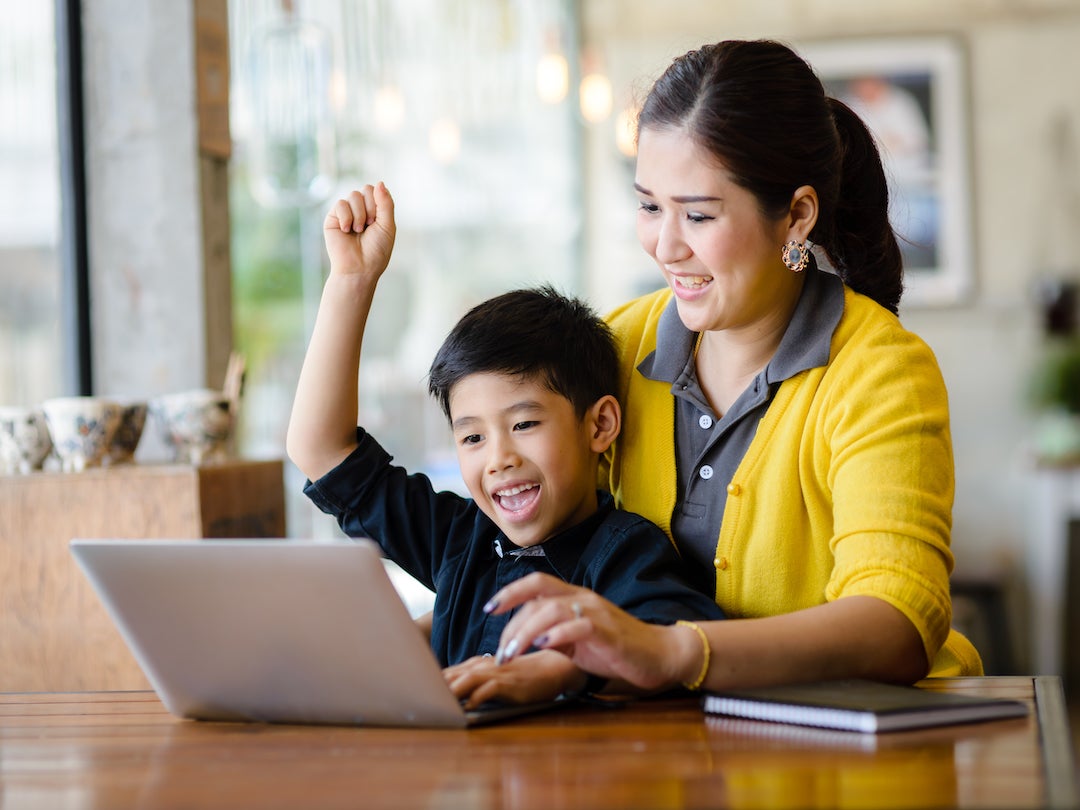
(859, 705)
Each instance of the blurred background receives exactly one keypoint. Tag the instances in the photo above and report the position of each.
(205, 141)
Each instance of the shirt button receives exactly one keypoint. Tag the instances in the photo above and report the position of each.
(720, 563)
(705, 472)
(705, 421)
(734, 489)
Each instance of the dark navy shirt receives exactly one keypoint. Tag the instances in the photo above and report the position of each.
(447, 543)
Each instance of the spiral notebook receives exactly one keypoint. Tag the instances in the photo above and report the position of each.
(859, 705)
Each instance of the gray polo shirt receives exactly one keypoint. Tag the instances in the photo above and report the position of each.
(709, 449)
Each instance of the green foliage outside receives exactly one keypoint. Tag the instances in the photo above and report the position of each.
(268, 306)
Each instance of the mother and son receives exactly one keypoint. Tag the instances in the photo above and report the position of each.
(772, 447)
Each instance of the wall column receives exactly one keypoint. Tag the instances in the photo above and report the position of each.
(156, 100)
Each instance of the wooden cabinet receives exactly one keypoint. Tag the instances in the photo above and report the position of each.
(54, 634)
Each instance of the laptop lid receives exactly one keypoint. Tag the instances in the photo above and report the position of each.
(272, 631)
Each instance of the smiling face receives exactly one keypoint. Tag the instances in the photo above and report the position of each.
(718, 253)
(527, 459)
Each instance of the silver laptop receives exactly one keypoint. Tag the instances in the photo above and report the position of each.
(279, 631)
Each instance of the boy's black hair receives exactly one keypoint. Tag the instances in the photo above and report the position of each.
(534, 333)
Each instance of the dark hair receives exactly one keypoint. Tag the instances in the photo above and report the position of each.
(763, 113)
(535, 333)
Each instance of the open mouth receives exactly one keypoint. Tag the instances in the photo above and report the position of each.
(517, 498)
(691, 282)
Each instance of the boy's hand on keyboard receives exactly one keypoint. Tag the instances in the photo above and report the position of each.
(529, 678)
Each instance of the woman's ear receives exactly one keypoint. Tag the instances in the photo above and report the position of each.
(605, 421)
(803, 213)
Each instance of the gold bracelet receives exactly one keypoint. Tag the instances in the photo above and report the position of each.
(695, 684)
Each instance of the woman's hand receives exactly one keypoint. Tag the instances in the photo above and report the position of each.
(359, 231)
(592, 632)
(538, 676)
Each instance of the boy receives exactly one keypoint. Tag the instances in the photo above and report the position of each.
(526, 381)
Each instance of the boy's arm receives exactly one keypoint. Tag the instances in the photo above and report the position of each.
(424, 623)
(359, 233)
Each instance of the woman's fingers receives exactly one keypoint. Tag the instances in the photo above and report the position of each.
(540, 614)
(595, 634)
(592, 632)
(530, 587)
(547, 622)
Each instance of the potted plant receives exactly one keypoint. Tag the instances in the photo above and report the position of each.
(1055, 394)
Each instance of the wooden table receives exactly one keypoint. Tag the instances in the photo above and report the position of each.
(122, 749)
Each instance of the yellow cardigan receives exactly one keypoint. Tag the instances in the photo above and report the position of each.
(847, 487)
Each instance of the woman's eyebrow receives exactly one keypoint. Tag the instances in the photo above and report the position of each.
(684, 198)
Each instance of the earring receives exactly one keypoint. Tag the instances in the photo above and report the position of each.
(795, 256)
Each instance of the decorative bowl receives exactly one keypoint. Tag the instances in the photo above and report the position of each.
(197, 424)
(24, 440)
(128, 433)
(81, 429)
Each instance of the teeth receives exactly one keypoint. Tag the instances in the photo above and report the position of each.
(692, 282)
(509, 493)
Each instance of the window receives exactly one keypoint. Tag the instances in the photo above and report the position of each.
(483, 161)
(32, 357)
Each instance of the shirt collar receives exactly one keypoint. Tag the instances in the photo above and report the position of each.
(806, 344)
(564, 550)
(674, 345)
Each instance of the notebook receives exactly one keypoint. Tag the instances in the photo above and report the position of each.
(859, 705)
(281, 631)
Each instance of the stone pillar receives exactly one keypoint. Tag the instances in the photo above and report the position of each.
(156, 103)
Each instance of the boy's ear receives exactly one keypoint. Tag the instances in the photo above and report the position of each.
(605, 422)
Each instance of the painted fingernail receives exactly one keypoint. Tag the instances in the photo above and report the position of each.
(542, 641)
(511, 649)
(491, 605)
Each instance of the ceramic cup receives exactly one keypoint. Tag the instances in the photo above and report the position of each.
(196, 424)
(128, 432)
(81, 429)
(24, 440)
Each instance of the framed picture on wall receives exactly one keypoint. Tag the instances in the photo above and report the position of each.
(912, 94)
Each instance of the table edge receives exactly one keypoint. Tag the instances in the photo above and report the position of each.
(1059, 761)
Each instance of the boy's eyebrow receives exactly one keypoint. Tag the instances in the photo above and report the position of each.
(684, 198)
(523, 405)
(462, 422)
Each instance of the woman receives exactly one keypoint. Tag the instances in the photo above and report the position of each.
(780, 424)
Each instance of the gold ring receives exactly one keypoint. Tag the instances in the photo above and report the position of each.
(577, 610)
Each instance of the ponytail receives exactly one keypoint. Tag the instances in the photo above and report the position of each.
(859, 241)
